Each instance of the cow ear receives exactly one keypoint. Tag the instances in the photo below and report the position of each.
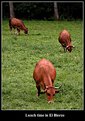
(72, 46)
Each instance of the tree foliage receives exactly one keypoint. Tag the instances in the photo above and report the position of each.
(38, 10)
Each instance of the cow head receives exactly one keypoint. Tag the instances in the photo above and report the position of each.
(26, 31)
(50, 93)
(69, 48)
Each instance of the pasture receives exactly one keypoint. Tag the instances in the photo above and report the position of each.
(21, 52)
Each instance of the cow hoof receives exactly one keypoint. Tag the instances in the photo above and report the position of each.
(37, 94)
(50, 101)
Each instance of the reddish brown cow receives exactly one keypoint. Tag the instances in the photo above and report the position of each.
(44, 75)
(18, 24)
(65, 40)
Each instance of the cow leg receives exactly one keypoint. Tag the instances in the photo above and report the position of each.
(18, 31)
(10, 28)
(64, 49)
(38, 88)
(15, 30)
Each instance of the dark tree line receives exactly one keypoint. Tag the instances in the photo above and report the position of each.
(46, 11)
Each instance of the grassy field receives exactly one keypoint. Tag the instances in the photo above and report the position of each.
(20, 54)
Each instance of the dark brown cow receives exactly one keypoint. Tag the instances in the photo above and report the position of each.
(44, 75)
(65, 40)
(17, 24)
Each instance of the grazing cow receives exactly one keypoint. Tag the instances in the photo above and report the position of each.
(65, 40)
(18, 24)
(44, 75)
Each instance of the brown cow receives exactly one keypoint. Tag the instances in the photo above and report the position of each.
(44, 75)
(65, 40)
(18, 24)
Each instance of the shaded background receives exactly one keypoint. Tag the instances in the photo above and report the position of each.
(44, 10)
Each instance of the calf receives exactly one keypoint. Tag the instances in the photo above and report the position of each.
(65, 40)
(18, 24)
(44, 75)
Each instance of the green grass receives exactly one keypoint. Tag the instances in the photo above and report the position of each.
(20, 54)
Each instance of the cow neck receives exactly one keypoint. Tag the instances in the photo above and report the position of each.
(47, 80)
(45, 77)
(68, 43)
(23, 26)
